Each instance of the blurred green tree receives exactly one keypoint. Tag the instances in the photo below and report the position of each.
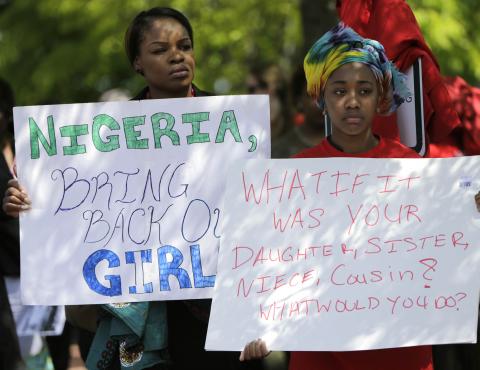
(450, 28)
(72, 50)
(61, 51)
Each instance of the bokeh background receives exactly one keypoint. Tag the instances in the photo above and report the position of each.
(66, 51)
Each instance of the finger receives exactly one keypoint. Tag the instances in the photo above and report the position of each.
(15, 199)
(244, 353)
(263, 348)
(13, 206)
(16, 194)
(11, 211)
(258, 348)
(14, 184)
(250, 352)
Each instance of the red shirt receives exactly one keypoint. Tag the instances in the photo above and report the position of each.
(386, 148)
(407, 358)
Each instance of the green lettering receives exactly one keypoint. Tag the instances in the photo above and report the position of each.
(228, 122)
(131, 135)
(73, 131)
(112, 142)
(167, 131)
(36, 135)
(195, 119)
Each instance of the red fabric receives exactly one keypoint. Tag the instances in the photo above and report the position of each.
(466, 100)
(393, 24)
(386, 148)
(447, 148)
(408, 358)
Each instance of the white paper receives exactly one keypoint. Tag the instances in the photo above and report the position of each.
(101, 221)
(371, 253)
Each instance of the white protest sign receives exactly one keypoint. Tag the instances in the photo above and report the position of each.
(126, 195)
(343, 254)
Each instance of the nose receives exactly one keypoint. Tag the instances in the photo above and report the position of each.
(176, 56)
(352, 101)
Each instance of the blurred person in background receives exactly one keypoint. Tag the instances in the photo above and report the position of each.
(305, 127)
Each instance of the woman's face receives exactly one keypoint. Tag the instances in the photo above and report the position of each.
(351, 100)
(166, 59)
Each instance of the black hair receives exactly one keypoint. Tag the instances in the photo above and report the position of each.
(143, 21)
(7, 102)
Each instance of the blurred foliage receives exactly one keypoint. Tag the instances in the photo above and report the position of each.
(450, 28)
(64, 51)
(60, 51)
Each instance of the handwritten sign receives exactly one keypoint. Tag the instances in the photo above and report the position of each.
(347, 254)
(126, 196)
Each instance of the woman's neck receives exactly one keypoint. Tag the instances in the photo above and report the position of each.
(154, 93)
(354, 144)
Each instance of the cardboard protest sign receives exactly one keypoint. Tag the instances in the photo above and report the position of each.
(345, 254)
(126, 195)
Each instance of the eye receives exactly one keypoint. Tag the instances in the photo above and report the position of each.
(339, 92)
(160, 50)
(366, 91)
(186, 46)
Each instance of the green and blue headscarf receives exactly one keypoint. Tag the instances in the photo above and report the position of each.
(342, 45)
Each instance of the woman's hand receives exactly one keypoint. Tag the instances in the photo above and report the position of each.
(254, 350)
(477, 201)
(15, 199)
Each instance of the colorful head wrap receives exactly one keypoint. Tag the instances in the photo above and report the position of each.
(342, 45)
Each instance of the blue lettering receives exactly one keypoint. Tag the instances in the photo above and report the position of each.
(75, 191)
(145, 257)
(171, 268)
(127, 174)
(208, 217)
(90, 277)
(199, 280)
(94, 221)
(99, 186)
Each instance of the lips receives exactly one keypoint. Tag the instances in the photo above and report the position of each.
(179, 72)
(353, 119)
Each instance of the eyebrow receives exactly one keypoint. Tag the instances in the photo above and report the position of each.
(158, 42)
(166, 42)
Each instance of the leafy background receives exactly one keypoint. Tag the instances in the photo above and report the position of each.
(63, 51)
